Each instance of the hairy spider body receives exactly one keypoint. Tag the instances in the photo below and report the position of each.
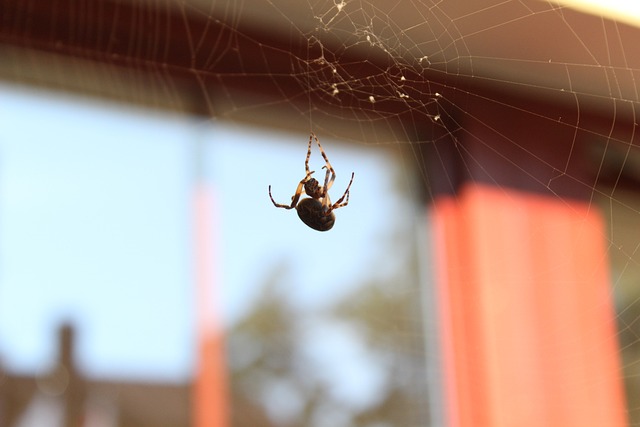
(311, 212)
(316, 210)
(313, 188)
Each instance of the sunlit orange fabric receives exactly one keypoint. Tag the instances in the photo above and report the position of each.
(525, 308)
(210, 387)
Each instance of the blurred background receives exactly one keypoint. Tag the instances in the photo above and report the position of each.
(98, 223)
(146, 279)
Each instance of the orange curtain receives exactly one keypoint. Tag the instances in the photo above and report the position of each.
(210, 404)
(526, 313)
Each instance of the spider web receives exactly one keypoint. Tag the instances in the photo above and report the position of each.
(405, 81)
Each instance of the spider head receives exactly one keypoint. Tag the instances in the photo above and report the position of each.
(313, 188)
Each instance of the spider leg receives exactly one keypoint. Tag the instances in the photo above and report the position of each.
(296, 195)
(306, 161)
(339, 204)
(327, 184)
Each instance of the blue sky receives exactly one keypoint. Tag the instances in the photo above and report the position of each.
(95, 228)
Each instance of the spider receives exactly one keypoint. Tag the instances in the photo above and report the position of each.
(316, 210)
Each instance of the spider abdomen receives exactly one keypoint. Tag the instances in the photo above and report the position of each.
(312, 213)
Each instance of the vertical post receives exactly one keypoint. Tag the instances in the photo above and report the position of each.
(210, 387)
(4, 386)
(66, 372)
(525, 304)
